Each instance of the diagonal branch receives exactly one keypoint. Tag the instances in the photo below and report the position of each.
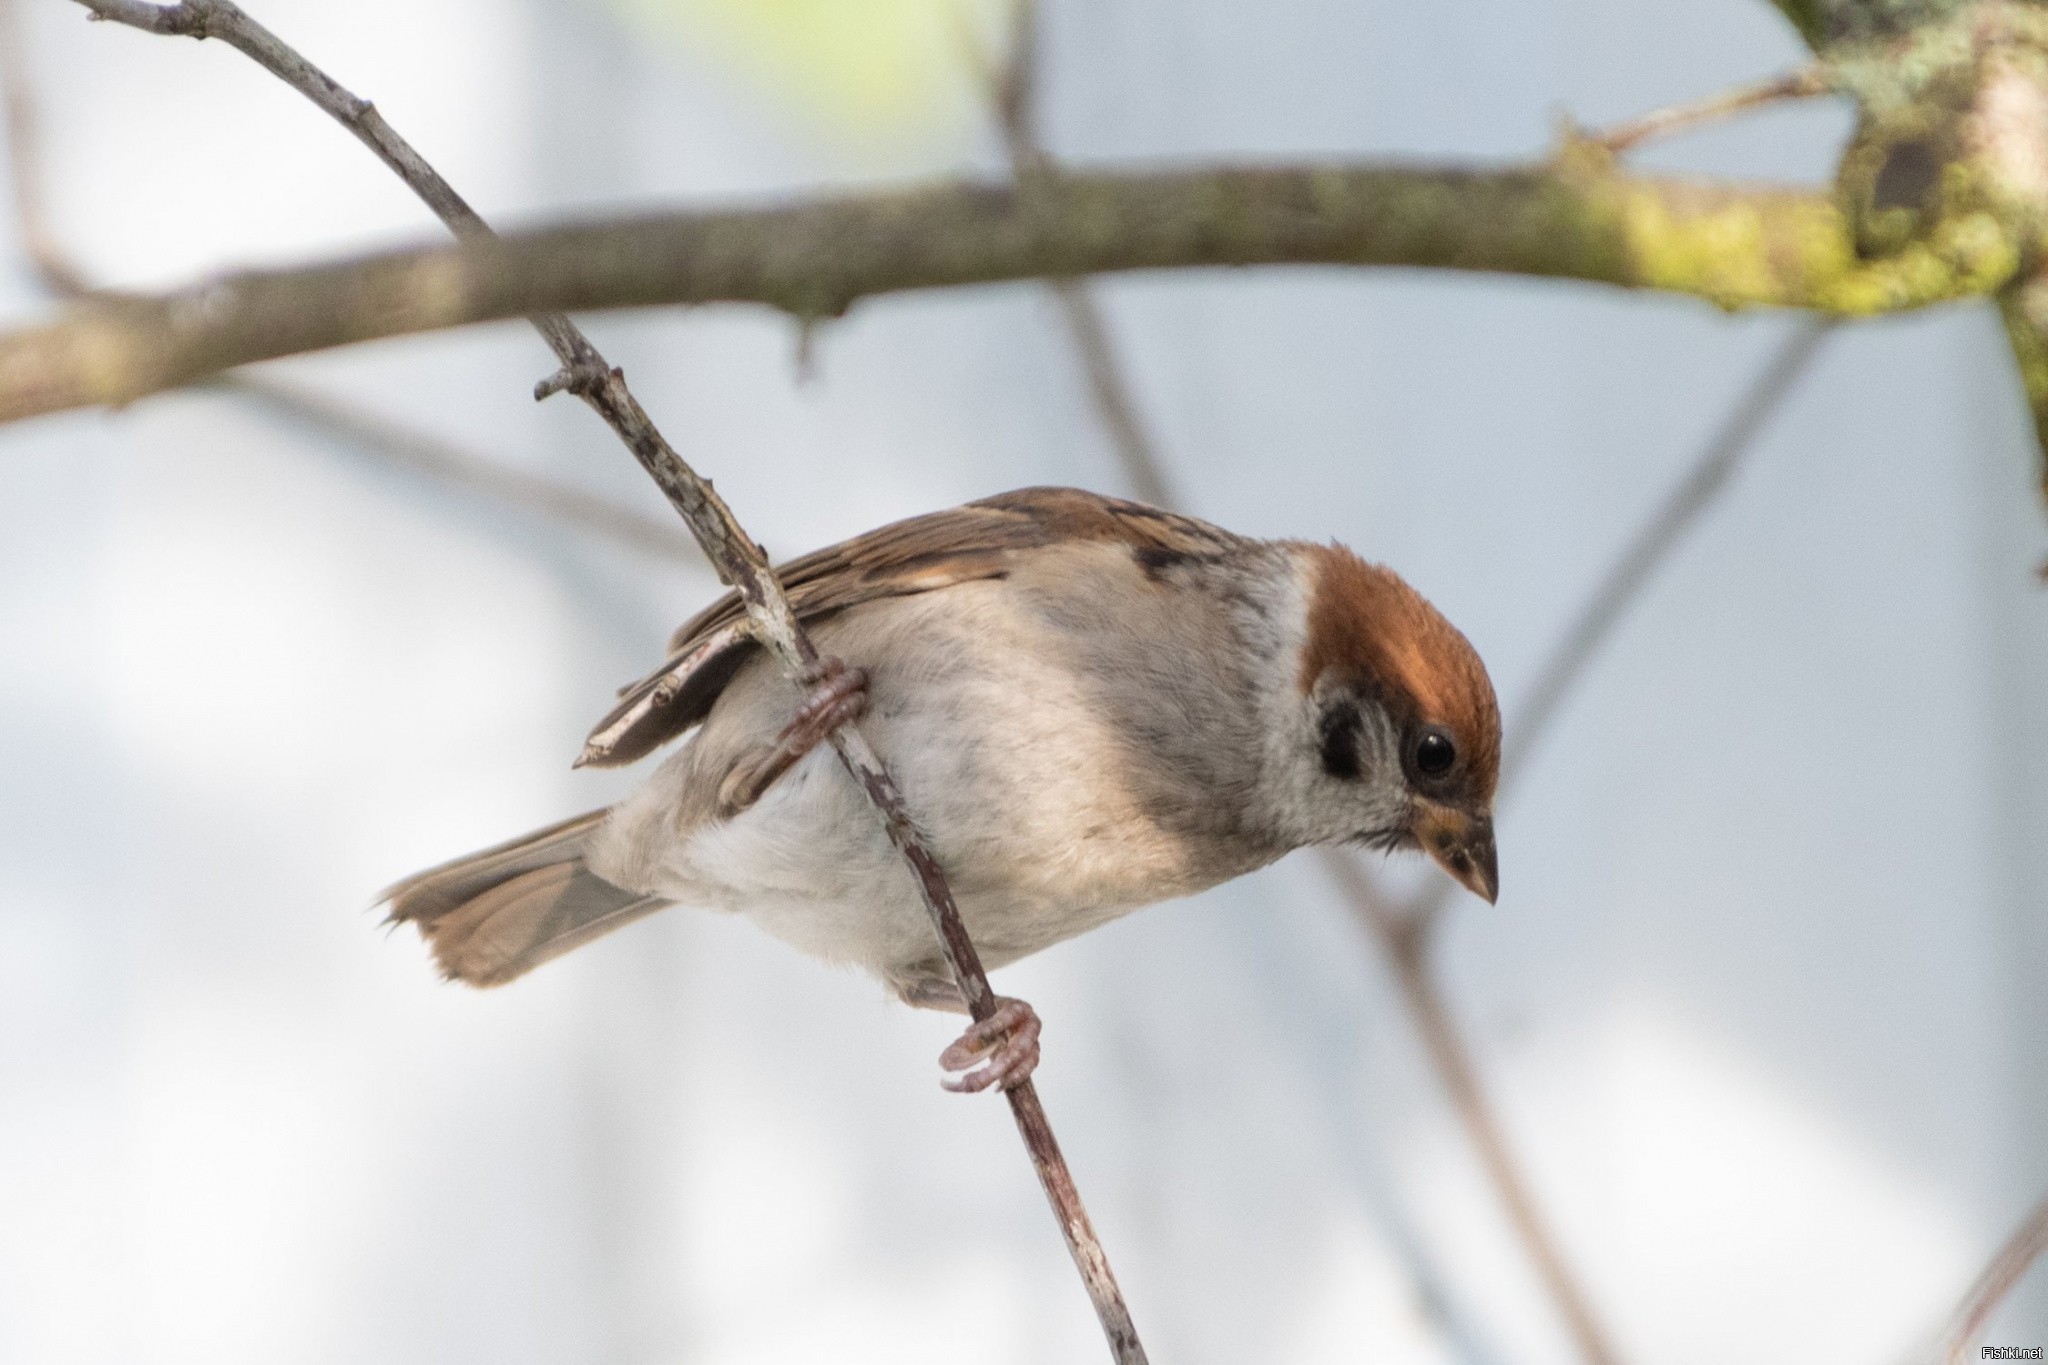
(1574, 216)
(1015, 97)
(737, 557)
(417, 452)
(1653, 544)
(53, 268)
(383, 439)
(1403, 934)
(1805, 83)
(1645, 553)
(2028, 1241)
(1406, 933)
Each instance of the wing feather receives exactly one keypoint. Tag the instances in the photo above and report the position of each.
(981, 540)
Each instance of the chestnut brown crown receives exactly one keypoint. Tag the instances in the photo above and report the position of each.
(1372, 635)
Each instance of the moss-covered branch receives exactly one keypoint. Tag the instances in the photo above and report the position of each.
(1575, 216)
(1825, 22)
(2024, 308)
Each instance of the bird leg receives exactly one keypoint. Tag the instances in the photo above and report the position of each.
(1006, 1043)
(838, 694)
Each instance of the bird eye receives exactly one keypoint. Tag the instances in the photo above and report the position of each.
(1434, 753)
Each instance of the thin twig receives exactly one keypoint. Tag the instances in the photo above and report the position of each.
(382, 438)
(1805, 83)
(1402, 934)
(1407, 932)
(1015, 98)
(1114, 406)
(444, 462)
(1015, 84)
(1646, 552)
(1655, 540)
(53, 268)
(739, 561)
(2006, 1270)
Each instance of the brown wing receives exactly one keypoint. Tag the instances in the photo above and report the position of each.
(979, 540)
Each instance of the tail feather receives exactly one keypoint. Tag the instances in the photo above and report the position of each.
(500, 913)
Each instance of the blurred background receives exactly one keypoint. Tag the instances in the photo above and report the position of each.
(1760, 1005)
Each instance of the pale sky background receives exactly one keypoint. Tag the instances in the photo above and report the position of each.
(1760, 1003)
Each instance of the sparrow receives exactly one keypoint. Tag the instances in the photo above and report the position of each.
(1090, 705)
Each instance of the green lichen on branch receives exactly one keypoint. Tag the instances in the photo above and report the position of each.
(2024, 309)
(1573, 216)
(1823, 23)
(1952, 134)
(1807, 16)
(1953, 121)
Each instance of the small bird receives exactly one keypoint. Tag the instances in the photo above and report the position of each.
(1090, 705)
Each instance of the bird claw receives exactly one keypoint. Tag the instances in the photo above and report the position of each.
(838, 696)
(1006, 1042)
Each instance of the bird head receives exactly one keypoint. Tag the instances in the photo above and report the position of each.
(1397, 741)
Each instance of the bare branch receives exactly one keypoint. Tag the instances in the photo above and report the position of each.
(2006, 1270)
(379, 437)
(1111, 391)
(1407, 932)
(1574, 216)
(1403, 934)
(1654, 542)
(740, 562)
(444, 462)
(1805, 83)
(1015, 97)
(54, 270)
(1016, 86)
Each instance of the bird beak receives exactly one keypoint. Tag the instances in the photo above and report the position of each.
(1462, 844)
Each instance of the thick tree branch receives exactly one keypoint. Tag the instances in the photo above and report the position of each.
(1575, 217)
(738, 559)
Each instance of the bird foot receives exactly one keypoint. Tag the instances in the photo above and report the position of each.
(838, 695)
(1006, 1042)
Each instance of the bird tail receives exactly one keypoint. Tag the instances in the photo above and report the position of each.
(498, 914)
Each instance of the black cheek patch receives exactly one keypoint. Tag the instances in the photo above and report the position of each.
(1339, 732)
